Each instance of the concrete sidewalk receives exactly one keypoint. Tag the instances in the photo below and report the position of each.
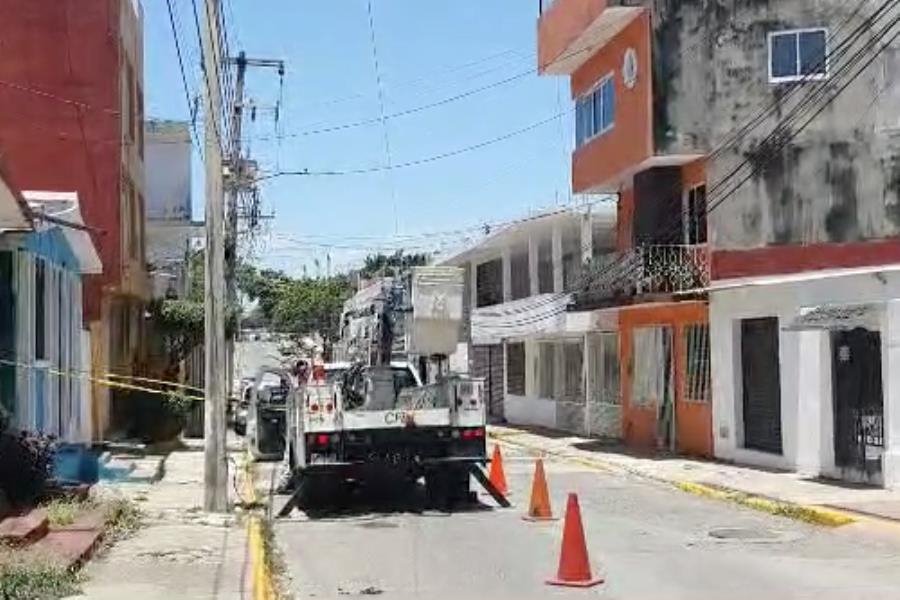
(690, 474)
(180, 552)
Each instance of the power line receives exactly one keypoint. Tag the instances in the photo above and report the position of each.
(187, 93)
(383, 119)
(420, 161)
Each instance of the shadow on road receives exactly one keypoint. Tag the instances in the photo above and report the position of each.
(352, 501)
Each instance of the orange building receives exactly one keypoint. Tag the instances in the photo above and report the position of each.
(656, 279)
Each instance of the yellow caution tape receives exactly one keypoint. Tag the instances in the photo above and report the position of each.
(103, 381)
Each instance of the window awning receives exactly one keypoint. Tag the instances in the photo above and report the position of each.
(838, 317)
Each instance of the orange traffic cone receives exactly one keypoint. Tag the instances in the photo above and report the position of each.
(574, 565)
(497, 477)
(539, 507)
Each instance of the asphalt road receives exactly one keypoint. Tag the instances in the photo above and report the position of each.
(647, 540)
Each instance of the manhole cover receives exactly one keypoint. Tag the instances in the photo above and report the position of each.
(379, 525)
(743, 534)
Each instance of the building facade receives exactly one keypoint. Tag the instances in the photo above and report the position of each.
(654, 284)
(71, 118)
(761, 138)
(542, 364)
(170, 227)
(49, 352)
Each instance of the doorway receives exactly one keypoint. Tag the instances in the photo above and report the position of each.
(761, 379)
(858, 401)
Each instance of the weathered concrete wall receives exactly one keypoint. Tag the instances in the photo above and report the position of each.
(839, 180)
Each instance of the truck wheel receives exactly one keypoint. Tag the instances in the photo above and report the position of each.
(447, 487)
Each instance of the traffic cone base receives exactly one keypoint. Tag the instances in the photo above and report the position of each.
(575, 584)
(539, 519)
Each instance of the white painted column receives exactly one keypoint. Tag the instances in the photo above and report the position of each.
(557, 259)
(506, 273)
(533, 283)
(814, 388)
(890, 373)
(586, 387)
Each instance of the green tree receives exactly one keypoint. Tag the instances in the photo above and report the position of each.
(311, 306)
(385, 264)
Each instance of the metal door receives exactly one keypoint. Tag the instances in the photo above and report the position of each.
(858, 399)
(762, 384)
(487, 364)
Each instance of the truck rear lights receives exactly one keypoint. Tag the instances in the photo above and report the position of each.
(322, 439)
(314, 408)
(472, 434)
(329, 407)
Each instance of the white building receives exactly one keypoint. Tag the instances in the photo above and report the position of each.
(170, 228)
(52, 347)
(806, 372)
(542, 364)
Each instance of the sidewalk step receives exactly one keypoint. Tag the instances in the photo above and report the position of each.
(24, 529)
(71, 548)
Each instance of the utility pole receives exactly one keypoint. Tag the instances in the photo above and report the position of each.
(215, 492)
(238, 182)
(234, 189)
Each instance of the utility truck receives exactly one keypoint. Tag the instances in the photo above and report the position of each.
(390, 411)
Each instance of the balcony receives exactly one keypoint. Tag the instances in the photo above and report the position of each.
(571, 31)
(647, 270)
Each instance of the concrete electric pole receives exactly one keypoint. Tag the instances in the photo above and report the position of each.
(215, 493)
(238, 181)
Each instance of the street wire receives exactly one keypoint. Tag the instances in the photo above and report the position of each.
(187, 93)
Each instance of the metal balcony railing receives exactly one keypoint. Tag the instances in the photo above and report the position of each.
(648, 270)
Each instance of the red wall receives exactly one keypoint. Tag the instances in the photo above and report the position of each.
(693, 420)
(562, 24)
(630, 141)
(68, 49)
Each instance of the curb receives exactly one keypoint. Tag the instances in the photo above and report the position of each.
(808, 513)
(261, 583)
(816, 515)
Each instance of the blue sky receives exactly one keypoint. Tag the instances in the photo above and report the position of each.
(428, 51)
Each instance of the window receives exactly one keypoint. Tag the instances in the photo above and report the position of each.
(696, 215)
(571, 259)
(652, 367)
(798, 54)
(545, 266)
(595, 112)
(130, 108)
(604, 368)
(40, 309)
(698, 371)
(515, 369)
(573, 375)
(489, 283)
(520, 286)
(140, 120)
(546, 369)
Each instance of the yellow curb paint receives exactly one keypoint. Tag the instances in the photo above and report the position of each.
(816, 515)
(261, 578)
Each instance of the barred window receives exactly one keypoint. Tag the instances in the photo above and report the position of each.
(515, 369)
(698, 362)
(573, 375)
(546, 369)
(604, 368)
